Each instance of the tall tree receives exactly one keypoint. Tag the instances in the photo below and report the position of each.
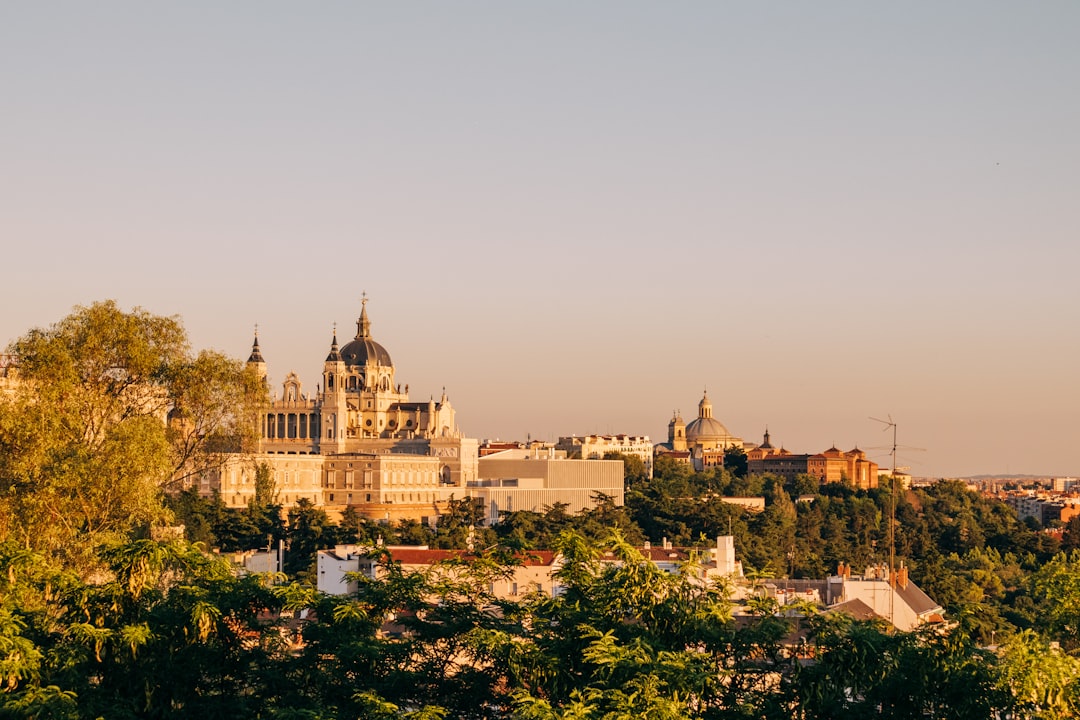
(86, 448)
(735, 461)
(214, 406)
(634, 470)
(310, 530)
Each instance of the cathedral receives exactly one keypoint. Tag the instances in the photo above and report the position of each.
(358, 442)
(701, 443)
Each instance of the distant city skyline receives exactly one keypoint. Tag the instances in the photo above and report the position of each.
(578, 218)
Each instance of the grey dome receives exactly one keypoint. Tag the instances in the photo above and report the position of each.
(706, 428)
(365, 351)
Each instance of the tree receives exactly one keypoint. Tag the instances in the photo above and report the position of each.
(265, 487)
(85, 446)
(634, 470)
(1055, 588)
(461, 523)
(215, 401)
(355, 529)
(862, 670)
(310, 530)
(201, 517)
(1044, 681)
(735, 461)
(1070, 539)
(164, 631)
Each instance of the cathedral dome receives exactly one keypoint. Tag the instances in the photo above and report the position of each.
(706, 428)
(363, 350)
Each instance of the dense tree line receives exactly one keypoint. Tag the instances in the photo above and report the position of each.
(170, 631)
(968, 552)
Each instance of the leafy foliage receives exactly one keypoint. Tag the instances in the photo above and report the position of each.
(108, 410)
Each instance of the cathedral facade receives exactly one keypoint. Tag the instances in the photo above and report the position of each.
(358, 442)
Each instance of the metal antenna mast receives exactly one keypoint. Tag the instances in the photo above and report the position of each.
(892, 516)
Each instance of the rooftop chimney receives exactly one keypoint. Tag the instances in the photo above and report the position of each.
(902, 577)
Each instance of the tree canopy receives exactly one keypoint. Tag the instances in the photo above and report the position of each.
(170, 631)
(109, 409)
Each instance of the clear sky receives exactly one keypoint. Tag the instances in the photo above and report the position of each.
(577, 216)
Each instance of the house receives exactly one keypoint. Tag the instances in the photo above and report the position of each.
(533, 573)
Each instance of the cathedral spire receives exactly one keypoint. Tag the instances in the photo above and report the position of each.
(256, 354)
(335, 355)
(363, 325)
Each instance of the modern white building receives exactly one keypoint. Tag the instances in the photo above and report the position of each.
(535, 480)
(595, 447)
(535, 571)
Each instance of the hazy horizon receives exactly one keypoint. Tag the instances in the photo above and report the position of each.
(577, 218)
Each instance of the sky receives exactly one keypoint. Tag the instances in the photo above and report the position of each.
(578, 217)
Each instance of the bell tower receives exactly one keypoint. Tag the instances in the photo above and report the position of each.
(334, 407)
(676, 432)
(255, 359)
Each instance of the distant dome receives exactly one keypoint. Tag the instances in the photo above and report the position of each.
(706, 428)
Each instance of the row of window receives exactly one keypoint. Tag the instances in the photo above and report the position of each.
(348, 498)
(356, 382)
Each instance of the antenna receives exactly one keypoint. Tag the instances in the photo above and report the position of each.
(892, 518)
(889, 424)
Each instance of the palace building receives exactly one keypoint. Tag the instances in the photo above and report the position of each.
(357, 442)
(831, 466)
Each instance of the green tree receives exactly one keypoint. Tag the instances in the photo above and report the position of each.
(265, 487)
(634, 470)
(461, 525)
(1044, 681)
(1070, 539)
(164, 631)
(309, 531)
(214, 407)
(861, 670)
(1055, 589)
(735, 461)
(85, 446)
